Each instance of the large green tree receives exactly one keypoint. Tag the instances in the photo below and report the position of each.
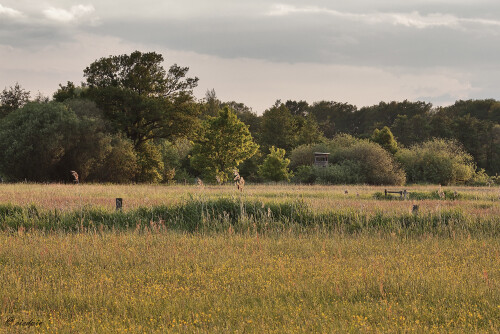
(12, 99)
(224, 142)
(44, 141)
(279, 128)
(140, 98)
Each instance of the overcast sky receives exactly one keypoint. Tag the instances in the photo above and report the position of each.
(358, 51)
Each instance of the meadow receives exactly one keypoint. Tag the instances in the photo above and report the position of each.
(273, 258)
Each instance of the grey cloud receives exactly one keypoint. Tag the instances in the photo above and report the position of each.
(320, 38)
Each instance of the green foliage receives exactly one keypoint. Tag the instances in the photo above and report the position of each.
(13, 99)
(309, 132)
(333, 117)
(351, 160)
(275, 166)
(346, 172)
(140, 98)
(149, 161)
(221, 146)
(304, 155)
(173, 154)
(305, 174)
(119, 164)
(141, 73)
(385, 139)
(34, 140)
(68, 92)
(44, 141)
(278, 128)
(437, 161)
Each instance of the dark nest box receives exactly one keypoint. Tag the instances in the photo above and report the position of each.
(321, 159)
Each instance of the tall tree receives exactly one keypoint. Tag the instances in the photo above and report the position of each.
(333, 117)
(212, 103)
(385, 139)
(142, 99)
(222, 145)
(12, 99)
(278, 128)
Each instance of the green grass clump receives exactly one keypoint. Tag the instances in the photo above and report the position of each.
(240, 215)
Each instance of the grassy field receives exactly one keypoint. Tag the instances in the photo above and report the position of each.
(292, 264)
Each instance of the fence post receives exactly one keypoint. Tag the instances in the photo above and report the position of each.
(119, 204)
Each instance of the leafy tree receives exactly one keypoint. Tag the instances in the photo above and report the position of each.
(34, 140)
(278, 128)
(13, 99)
(246, 115)
(119, 162)
(141, 99)
(70, 91)
(308, 131)
(275, 166)
(150, 164)
(145, 102)
(44, 141)
(221, 146)
(334, 117)
(212, 103)
(173, 154)
(368, 119)
(299, 108)
(385, 139)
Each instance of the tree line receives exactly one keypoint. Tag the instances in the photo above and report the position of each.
(132, 120)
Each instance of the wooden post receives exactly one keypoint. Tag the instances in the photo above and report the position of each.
(119, 203)
(385, 192)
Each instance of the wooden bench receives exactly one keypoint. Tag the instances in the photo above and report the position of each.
(402, 193)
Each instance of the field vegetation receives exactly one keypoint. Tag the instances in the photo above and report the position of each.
(270, 258)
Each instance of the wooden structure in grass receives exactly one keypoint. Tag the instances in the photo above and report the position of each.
(321, 159)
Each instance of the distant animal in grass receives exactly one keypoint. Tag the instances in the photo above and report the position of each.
(75, 177)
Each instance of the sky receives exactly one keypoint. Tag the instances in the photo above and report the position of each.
(256, 52)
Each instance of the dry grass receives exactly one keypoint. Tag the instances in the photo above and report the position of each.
(169, 282)
(158, 280)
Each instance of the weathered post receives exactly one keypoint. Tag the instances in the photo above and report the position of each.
(119, 204)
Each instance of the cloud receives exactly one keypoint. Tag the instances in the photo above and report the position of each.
(412, 19)
(76, 13)
(10, 12)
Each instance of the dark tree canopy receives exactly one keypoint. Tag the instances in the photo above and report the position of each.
(141, 73)
(12, 99)
(140, 98)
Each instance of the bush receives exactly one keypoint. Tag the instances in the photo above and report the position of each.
(437, 161)
(351, 160)
(275, 166)
(305, 174)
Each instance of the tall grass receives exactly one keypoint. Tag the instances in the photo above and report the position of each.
(276, 259)
(157, 282)
(215, 215)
